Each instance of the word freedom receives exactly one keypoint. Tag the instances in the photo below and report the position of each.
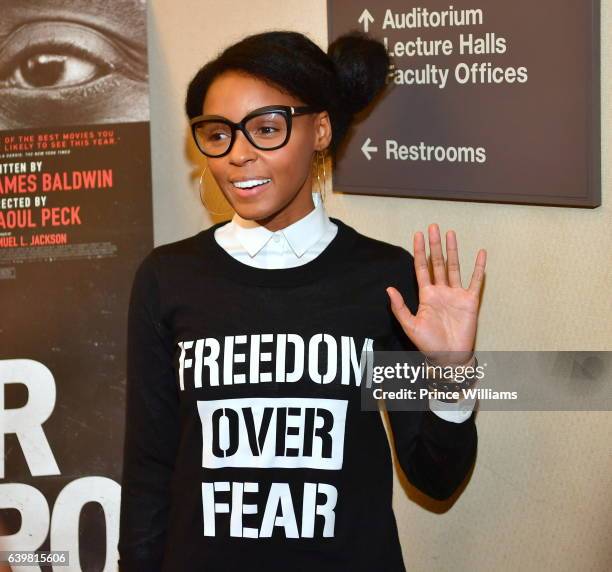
(254, 353)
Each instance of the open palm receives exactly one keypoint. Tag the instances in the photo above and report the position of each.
(444, 327)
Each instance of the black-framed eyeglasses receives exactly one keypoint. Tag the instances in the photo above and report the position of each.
(266, 128)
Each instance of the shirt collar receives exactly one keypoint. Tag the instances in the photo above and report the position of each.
(300, 235)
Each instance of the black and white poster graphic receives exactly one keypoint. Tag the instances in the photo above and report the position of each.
(75, 221)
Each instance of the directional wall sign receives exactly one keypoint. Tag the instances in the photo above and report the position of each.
(486, 101)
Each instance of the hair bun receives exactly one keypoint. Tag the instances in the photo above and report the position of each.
(362, 65)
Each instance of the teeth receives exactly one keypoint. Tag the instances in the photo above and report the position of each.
(251, 183)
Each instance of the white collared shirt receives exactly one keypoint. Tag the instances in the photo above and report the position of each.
(296, 244)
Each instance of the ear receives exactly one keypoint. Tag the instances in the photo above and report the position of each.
(323, 131)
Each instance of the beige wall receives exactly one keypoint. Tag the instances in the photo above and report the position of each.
(539, 497)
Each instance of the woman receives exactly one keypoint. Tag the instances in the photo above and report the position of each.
(246, 446)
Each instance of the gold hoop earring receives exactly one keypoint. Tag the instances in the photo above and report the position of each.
(202, 196)
(321, 155)
(316, 165)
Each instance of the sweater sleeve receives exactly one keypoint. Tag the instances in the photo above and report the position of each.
(435, 454)
(151, 428)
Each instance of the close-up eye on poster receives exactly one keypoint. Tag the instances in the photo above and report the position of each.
(305, 286)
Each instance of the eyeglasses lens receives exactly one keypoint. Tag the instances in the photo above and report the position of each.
(268, 130)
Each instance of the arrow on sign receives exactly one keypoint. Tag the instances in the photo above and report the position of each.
(366, 19)
(366, 148)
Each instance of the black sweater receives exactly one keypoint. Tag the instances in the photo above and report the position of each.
(246, 447)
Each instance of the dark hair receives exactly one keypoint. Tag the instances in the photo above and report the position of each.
(342, 82)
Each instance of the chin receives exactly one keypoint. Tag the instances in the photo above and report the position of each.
(253, 211)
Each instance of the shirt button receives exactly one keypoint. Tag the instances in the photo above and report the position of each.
(276, 238)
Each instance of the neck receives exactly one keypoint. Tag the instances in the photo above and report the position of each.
(296, 209)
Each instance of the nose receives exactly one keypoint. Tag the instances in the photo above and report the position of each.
(242, 151)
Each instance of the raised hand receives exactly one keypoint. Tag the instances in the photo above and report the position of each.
(444, 327)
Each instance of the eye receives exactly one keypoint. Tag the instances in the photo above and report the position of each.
(267, 130)
(267, 126)
(212, 132)
(61, 72)
(60, 55)
(217, 136)
(53, 67)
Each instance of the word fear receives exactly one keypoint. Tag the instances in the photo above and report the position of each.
(228, 498)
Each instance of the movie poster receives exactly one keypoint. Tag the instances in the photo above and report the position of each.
(75, 221)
